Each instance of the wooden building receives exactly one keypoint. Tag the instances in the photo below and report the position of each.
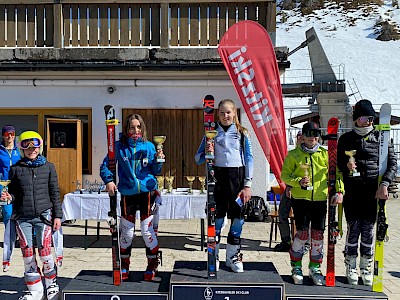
(66, 59)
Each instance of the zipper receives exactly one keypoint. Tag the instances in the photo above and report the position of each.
(312, 178)
(134, 167)
(33, 190)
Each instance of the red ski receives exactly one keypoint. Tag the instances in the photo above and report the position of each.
(209, 126)
(333, 226)
(111, 122)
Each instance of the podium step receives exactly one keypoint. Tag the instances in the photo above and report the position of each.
(259, 281)
(342, 290)
(97, 285)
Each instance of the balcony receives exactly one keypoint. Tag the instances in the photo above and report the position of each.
(124, 34)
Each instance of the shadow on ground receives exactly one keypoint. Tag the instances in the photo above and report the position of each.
(13, 287)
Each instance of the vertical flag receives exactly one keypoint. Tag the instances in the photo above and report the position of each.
(249, 57)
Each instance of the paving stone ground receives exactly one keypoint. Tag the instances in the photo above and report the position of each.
(180, 240)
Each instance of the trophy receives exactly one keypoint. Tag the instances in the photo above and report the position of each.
(170, 180)
(190, 179)
(210, 135)
(160, 139)
(78, 187)
(306, 168)
(351, 153)
(202, 180)
(4, 183)
(160, 182)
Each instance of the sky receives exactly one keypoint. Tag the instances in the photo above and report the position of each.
(364, 62)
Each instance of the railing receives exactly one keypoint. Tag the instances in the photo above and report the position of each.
(127, 23)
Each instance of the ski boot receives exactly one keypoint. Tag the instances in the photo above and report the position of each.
(125, 262)
(365, 269)
(297, 273)
(52, 288)
(351, 269)
(154, 258)
(316, 274)
(35, 292)
(6, 266)
(234, 258)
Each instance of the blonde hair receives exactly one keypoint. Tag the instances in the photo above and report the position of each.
(232, 103)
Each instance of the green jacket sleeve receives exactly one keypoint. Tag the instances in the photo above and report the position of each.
(288, 168)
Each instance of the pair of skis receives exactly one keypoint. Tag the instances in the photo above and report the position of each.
(381, 225)
(111, 122)
(210, 133)
(333, 225)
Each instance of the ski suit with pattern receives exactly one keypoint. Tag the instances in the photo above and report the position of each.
(137, 167)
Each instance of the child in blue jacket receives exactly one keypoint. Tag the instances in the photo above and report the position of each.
(137, 167)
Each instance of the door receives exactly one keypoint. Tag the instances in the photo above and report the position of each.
(64, 150)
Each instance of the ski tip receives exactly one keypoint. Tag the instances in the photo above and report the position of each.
(386, 109)
(333, 121)
(209, 97)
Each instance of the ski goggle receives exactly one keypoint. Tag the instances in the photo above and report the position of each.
(312, 133)
(366, 119)
(9, 134)
(35, 143)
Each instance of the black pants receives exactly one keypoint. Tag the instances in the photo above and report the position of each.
(229, 184)
(143, 202)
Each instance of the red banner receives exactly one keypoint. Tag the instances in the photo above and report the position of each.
(249, 57)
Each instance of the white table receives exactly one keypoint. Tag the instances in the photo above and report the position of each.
(175, 205)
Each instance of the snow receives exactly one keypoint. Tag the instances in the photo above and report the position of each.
(373, 65)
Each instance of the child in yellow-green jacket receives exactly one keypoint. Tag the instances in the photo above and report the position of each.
(305, 169)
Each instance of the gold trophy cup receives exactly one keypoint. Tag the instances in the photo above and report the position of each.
(202, 180)
(160, 183)
(170, 180)
(210, 135)
(306, 168)
(351, 153)
(190, 179)
(4, 183)
(160, 139)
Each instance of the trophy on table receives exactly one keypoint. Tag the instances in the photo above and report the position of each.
(306, 168)
(170, 180)
(160, 139)
(202, 180)
(4, 184)
(190, 179)
(351, 153)
(78, 189)
(160, 183)
(210, 135)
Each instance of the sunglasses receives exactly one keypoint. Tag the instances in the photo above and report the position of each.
(366, 119)
(9, 133)
(35, 143)
(312, 133)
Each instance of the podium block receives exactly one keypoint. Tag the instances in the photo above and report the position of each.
(259, 281)
(97, 285)
(342, 290)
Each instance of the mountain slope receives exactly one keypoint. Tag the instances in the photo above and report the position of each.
(349, 40)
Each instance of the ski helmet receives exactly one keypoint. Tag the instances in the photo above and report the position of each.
(29, 139)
